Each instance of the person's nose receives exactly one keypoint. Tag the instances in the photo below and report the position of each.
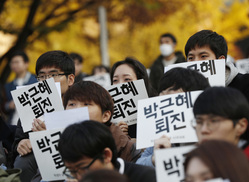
(205, 128)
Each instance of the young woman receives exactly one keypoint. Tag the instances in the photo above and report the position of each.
(216, 159)
(126, 71)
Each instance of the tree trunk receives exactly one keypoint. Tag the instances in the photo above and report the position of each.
(22, 39)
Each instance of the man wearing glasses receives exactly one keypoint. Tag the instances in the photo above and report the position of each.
(222, 114)
(89, 145)
(60, 66)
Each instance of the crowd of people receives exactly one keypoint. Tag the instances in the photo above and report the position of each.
(99, 150)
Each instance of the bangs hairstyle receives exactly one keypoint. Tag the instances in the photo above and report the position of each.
(57, 59)
(86, 139)
(223, 101)
(214, 41)
(186, 79)
(139, 70)
(222, 158)
(88, 91)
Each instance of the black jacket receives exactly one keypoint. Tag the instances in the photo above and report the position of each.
(157, 70)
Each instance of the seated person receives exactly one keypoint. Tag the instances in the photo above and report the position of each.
(221, 113)
(89, 146)
(211, 159)
(208, 45)
(60, 66)
(100, 106)
(173, 81)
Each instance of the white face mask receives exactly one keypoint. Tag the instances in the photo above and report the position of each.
(166, 49)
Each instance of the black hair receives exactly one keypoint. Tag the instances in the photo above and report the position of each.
(168, 35)
(223, 101)
(139, 70)
(214, 41)
(186, 79)
(90, 91)
(86, 139)
(57, 59)
(107, 69)
(77, 56)
(20, 53)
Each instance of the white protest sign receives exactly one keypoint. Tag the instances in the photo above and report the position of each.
(125, 97)
(217, 180)
(243, 65)
(45, 147)
(214, 70)
(103, 80)
(36, 99)
(57, 84)
(169, 115)
(61, 119)
(169, 163)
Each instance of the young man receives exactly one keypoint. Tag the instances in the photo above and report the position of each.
(100, 108)
(208, 45)
(19, 63)
(60, 66)
(174, 81)
(78, 62)
(222, 114)
(167, 57)
(89, 146)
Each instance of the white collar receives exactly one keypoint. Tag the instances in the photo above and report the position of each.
(122, 165)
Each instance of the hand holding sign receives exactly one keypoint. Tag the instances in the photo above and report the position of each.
(24, 147)
(161, 143)
(38, 125)
(123, 126)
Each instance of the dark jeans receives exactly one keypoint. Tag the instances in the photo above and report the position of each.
(28, 165)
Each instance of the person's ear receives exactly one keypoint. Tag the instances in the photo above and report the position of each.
(241, 126)
(106, 116)
(70, 79)
(222, 57)
(107, 155)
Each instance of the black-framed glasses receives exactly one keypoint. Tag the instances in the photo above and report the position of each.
(46, 76)
(72, 173)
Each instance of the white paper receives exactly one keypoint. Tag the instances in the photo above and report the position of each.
(216, 77)
(151, 126)
(169, 163)
(125, 101)
(41, 103)
(103, 80)
(57, 84)
(44, 145)
(61, 119)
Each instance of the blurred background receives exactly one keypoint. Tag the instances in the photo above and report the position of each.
(133, 28)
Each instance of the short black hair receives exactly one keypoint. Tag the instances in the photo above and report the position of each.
(77, 56)
(86, 139)
(168, 35)
(90, 91)
(138, 69)
(57, 59)
(223, 101)
(214, 41)
(20, 53)
(186, 79)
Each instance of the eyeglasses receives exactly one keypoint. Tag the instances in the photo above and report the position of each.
(54, 75)
(212, 122)
(81, 170)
